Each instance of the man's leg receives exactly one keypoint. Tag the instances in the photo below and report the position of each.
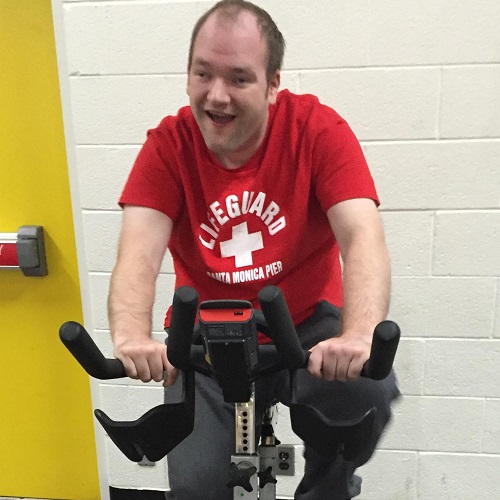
(329, 480)
(334, 479)
(199, 467)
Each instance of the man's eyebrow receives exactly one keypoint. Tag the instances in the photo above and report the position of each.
(201, 62)
(237, 69)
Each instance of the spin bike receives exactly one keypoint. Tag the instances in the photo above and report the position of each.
(230, 353)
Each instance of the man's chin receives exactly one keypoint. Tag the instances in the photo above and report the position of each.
(218, 148)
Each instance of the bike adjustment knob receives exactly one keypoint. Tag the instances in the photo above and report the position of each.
(241, 474)
(266, 477)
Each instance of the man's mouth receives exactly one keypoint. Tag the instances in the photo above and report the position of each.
(220, 118)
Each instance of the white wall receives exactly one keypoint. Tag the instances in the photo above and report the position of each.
(419, 83)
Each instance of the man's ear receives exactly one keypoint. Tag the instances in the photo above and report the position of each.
(273, 87)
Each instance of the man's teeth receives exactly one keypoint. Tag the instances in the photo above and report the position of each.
(220, 117)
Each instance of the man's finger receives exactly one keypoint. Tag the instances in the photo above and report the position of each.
(170, 377)
(354, 370)
(156, 367)
(315, 362)
(130, 368)
(143, 370)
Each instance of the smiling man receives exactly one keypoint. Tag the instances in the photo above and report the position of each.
(250, 186)
(228, 88)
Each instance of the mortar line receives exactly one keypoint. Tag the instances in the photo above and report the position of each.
(298, 70)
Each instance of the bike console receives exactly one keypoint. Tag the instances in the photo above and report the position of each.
(229, 331)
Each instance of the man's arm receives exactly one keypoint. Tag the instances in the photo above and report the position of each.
(367, 276)
(143, 241)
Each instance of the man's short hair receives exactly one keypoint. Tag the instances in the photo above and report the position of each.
(230, 9)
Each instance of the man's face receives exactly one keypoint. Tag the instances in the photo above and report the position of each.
(227, 86)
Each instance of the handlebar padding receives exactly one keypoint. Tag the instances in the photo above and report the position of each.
(281, 327)
(180, 331)
(80, 344)
(383, 351)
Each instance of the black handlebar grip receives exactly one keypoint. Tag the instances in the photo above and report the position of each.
(281, 327)
(80, 344)
(180, 331)
(384, 345)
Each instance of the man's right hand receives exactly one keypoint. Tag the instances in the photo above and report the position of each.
(146, 360)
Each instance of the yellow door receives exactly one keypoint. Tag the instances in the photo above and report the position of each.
(47, 447)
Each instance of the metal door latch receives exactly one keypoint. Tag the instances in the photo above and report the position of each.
(24, 250)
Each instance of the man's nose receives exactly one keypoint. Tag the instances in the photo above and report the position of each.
(218, 92)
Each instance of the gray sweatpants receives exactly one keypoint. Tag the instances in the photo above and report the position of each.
(198, 467)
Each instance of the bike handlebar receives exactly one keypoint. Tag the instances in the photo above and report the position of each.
(83, 348)
(281, 327)
(289, 352)
(180, 331)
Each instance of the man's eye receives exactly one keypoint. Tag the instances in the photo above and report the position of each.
(241, 81)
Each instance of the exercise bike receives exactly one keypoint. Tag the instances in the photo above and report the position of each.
(229, 352)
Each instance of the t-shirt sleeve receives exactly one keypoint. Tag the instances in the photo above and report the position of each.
(153, 182)
(341, 171)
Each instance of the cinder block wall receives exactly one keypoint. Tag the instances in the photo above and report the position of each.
(419, 83)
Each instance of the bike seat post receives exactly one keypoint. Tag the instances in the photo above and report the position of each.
(245, 457)
(245, 425)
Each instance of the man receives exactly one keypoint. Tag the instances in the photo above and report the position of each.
(249, 186)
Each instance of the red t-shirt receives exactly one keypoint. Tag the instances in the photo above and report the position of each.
(265, 223)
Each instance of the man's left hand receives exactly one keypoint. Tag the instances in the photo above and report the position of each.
(339, 358)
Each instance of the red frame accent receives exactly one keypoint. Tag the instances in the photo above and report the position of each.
(226, 315)
(8, 255)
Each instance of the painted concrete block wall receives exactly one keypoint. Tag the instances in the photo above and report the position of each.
(419, 83)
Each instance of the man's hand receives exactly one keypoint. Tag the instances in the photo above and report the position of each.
(146, 359)
(339, 358)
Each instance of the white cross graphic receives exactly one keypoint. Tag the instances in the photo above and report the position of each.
(242, 245)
